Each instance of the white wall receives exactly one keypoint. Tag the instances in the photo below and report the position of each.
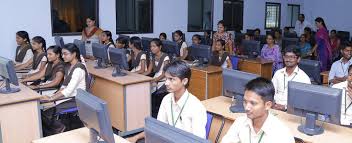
(336, 14)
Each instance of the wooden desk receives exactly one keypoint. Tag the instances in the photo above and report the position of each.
(220, 105)
(206, 82)
(128, 97)
(75, 136)
(325, 75)
(20, 120)
(257, 66)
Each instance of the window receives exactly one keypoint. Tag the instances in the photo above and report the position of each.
(293, 12)
(272, 15)
(233, 14)
(199, 15)
(134, 16)
(68, 17)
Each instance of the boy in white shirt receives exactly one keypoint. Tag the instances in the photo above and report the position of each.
(258, 126)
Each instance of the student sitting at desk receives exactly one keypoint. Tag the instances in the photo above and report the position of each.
(219, 56)
(178, 36)
(346, 107)
(271, 51)
(180, 108)
(121, 42)
(258, 126)
(75, 78)
(338, 72)
(304, 47)
(53, 73)
(162, 36)
(291, 72)
(196, 39)
(39, 58)
(138, 57)
(24, 51)
(106, 39)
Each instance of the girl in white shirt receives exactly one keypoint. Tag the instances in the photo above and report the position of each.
(138, 57)
(221, 57)
(106, 39)
(178, 37)
(24, 50)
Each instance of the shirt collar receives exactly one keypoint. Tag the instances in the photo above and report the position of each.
(296, 70)
(348, 62)
(267, 126)
(182, 100)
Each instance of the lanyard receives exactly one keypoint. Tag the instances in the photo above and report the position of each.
(289, 80)
(250, 137)
(343, 69)
(172, 111)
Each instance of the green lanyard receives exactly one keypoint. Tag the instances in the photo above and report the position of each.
(172, 111)
(260, 138)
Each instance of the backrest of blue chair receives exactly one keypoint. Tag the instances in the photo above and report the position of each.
(234, 62)
(208, 125)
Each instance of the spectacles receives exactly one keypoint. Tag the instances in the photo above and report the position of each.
(290, 57)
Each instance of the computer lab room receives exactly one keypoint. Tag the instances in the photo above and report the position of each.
(175, 71)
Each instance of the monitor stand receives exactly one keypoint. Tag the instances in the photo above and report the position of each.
(8, 89)
(93, 137)
(237, 107)
(118, 72)
(101, 64)
(310, 128)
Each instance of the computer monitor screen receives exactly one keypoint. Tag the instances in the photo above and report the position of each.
(234, 83)
(312, 69)
(119, 60)
(343, 35)
(59, 41)
(94, 114)
(171, 48)
(8, 74)
(159, 132)
(100, 53)
(314, 102)
(290, 35)
(202, 53)
(289, 41)
(146, 43)
(251, 48)
(81, 45)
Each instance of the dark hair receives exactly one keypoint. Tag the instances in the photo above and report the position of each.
(40, 40)
(179, 32)
(262, 87)
(56, 50)
(249, 34)
(91, 18)
(308, 29)
(321, 20)
(157, 42)
(269, 34)
(349, 68)
(346, 44)
(23, 35)
(222, 42)
(163, 34)
(136, 42)
(222, 22)
(72, 48)
(257, 29)
(179, 69)
(333, 31)
(108, 34)
(122, 40)
(293, 49)
(302, 15)
(196, 36)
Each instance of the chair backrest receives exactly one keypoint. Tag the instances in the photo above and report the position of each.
(234, 62)
(208, 125)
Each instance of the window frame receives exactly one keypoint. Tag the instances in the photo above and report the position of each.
(73, 33)
(266, 14)
(136, 32)
(231, 27)
(299, 12)
(211, 17)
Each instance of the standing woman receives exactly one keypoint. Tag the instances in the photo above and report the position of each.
(24, 50)
(178, 36)
(90, 34)
(271, 51)
(222, 34)
(322, 45)
(39, 59)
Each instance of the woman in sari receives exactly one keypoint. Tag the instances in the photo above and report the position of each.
(90, 35)
(223, 35)
(322, 45)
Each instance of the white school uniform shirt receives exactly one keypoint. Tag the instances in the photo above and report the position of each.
(280, 81)
(346, 115)
(339, 69)
(143, 57)
(273, 130)
(27, 57)
(78, 80)
(44, 59)
(224, 65)
(183, 46)
(193, 118)
(299, 27)
(160, 72)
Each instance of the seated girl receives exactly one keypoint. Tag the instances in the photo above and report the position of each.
(220, 57)
(24, 51)
(138, 57)
(178, 37)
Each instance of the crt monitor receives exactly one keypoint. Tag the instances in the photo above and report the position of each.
(314, 102)
(119, 60)
(160, 132)
(202, 53)
(81, 45)
(312, 69)
(59, 41)
(146, 43)
(171, 48)
(289, 41)
(251, 48)
(234, 83)
(100, 53)
(8, 74)
(94, 114)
